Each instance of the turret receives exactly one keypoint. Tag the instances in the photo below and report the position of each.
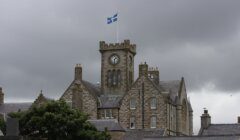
(78, 72)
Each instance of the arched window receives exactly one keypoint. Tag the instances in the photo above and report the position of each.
(119, 78)
(153, 103)
(130, 78)
(133, 103)
(109, 78)
(114, 75)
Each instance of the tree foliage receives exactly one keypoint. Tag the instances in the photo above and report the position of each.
(55, 120)
(2, 125)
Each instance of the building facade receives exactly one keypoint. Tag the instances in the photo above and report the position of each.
(146, 103)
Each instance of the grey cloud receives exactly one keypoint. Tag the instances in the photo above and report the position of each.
(41, 41)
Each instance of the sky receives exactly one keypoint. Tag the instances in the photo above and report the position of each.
(41, 41)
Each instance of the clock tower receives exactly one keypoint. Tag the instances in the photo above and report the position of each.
(117, 67)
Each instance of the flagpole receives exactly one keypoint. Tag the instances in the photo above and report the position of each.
(117, 32)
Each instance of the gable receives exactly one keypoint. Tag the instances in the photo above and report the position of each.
(82, 86)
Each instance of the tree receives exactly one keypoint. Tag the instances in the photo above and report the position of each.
(2, 125)
(55, 120)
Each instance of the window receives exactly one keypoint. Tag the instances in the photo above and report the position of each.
(153, 103)
(132, 123)
(153, 122)
(130, 78)
(108, 113)
(119, 78)
(132, 103)
(109, 80)
(114, 78)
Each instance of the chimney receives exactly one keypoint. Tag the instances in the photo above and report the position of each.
(78, 72)
(205, 119)
(238, 119)
(1, 96)
(153, 75)
(143, 70)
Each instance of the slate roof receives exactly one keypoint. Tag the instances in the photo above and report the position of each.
(221, 129)
(94, 89)
(14, 107)
(194, 138)
(109, 102)
(172, 87)
(140, 134)
(110, 124)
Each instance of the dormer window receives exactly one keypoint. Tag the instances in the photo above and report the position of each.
(153, 103)
(133, 103)
(108, 113)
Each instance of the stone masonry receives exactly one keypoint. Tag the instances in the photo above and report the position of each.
(144, 104)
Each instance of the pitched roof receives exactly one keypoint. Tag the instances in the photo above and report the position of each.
(109, 101)
(194, 138)
(14, 107)
(140, 134)
(94, 89)
(222, 129)
(110, 124)
(171, 86)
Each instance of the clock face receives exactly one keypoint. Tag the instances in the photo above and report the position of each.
(114, 59)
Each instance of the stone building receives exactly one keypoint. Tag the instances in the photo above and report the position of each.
(144, 104)
(209, 129)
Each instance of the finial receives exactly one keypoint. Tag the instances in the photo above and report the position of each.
(41, 91)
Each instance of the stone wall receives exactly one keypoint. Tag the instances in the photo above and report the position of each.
(124, 51)
(143, 113)
(82, 100)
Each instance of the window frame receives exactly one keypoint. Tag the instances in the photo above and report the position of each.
(132, 121)
(110, 114)
(131, 103)
(153, 122)
(152, 104)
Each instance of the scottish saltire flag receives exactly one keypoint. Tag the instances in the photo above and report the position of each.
(112, 19)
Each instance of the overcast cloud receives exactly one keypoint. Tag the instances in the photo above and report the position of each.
(41, 41)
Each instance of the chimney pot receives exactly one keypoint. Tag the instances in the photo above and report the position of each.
(238, 119)
(205, 111)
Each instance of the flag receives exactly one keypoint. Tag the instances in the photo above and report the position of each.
(112, 19)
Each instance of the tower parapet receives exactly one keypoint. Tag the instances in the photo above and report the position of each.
(126, 45)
